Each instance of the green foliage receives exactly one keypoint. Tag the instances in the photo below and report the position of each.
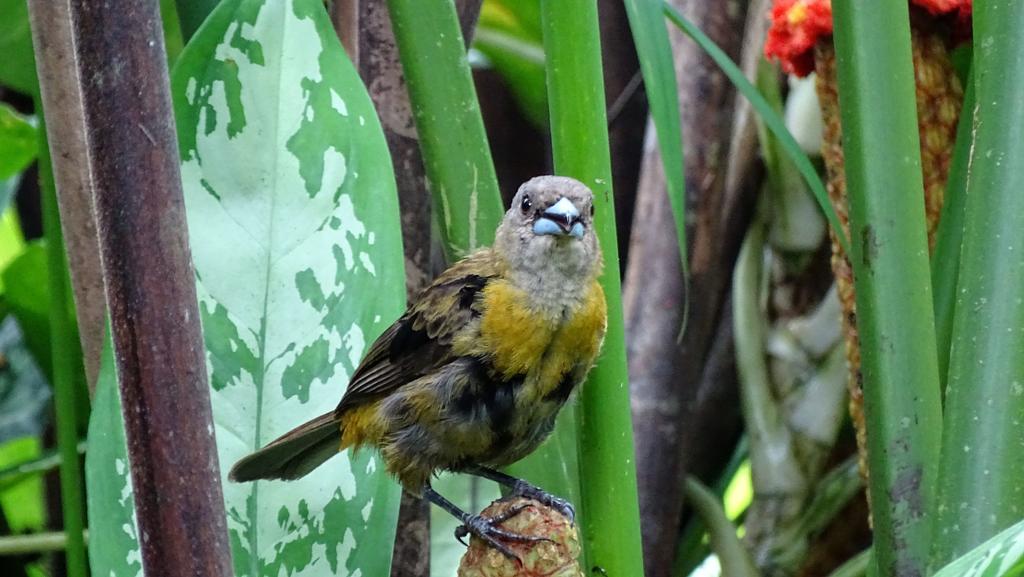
(19, 66)
(509, 35)
(456, 155)
(173, 41)
(26, 293)
(18, 142)
(114, 547)
(1000, 556)
(22, 502)
(949, 236)
(71, 399)
(191, 14)
(982, 474)
(658, 67)
(294, 230)
(895, 318)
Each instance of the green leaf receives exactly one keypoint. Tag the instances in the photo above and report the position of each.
(32, 466)
(654, 51)
(11, 239)
(294, 231)
(114, 546)
(895, 318)
(26, 288)
(949, 236)
(22, 502)
(19, 66)
(192, 14)
(1000, 556)
(18, 142)
(173, 42)
(509, 35)
(981, 472)
(456, 155)
(772, 120)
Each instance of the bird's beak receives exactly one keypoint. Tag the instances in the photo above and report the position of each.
(561, 218)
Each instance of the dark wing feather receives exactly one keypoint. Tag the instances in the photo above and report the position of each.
(420, 341)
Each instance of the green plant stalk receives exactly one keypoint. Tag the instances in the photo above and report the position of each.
(65, 352)
(892, 276)
(732, 554)
(579, 133)
(768, 115)
(45, 463)
(771, 444)
(693, 549)
(456, 154)
(949, 236)
(659, 72)
(11, 545)
(192, 14)
(981, 470)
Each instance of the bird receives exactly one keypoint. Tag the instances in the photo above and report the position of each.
(472, 376)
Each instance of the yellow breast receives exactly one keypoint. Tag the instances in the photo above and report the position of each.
(520, 340)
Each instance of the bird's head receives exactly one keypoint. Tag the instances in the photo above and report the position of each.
(549, 229)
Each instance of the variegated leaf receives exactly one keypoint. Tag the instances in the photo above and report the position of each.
(295, 236)
(1000, 556)
(114, 544)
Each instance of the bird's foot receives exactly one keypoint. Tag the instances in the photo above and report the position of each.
(524, 489)
(487, 529)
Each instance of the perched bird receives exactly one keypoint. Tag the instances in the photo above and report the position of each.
(474, 373)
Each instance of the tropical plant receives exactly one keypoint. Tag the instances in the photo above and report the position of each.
(290, 147)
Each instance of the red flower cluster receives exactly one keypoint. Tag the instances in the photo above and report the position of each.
(798, 24)
(796, 27)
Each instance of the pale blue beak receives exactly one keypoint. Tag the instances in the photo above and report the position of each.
(561, 218)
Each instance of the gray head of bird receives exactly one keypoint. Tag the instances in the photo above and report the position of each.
(548, 231)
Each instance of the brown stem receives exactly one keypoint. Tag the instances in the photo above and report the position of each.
(151, 293)
(345, 18)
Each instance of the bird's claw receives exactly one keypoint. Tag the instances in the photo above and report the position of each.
(486, 528)
(524, 489)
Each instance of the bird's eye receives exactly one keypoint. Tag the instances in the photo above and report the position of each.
(591, 211)
(525, 205)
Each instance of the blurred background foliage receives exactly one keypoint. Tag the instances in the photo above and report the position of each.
(731, 229)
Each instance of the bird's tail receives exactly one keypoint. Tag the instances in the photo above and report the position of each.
(294, 454)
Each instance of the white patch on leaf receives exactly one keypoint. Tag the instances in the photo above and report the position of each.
(339, 104)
